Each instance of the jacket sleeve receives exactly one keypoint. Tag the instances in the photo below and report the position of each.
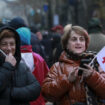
(97, 83)
(29, 92)
(41, 68)
(55, 85)
(5, 75)
(46, 69)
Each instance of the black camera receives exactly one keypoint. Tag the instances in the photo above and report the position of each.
(83, 61)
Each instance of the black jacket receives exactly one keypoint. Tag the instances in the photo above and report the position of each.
(36, 45)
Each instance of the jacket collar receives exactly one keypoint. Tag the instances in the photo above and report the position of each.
(26, 48)
(64, 58)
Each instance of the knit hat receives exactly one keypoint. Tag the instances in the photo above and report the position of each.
(94, 25)
(58, 27)
(25, 35)
(17, 22)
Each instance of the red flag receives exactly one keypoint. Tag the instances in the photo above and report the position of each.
(101, 58)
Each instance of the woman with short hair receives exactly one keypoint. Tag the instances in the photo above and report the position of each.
(71, 81)
(17, 84)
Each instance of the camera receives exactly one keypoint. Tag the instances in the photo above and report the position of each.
(83, 61)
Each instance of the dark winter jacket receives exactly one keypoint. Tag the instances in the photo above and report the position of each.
(17, 84)
(36, 45)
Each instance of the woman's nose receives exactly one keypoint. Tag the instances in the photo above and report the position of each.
(8, 47)
(78, 41)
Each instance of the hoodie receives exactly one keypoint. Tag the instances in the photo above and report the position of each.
(17, 38)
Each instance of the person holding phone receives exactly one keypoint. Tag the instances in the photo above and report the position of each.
(17, 84)
(63, 84)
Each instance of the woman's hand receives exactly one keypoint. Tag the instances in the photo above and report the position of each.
(73, 75)
(87, 71)
(11, 59)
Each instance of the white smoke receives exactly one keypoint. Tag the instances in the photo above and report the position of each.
(5, 12)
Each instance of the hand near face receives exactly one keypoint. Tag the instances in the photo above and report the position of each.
(73, 75)
(11, 59)
(87, 71)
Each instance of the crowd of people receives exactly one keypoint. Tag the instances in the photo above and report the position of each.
(39, 67)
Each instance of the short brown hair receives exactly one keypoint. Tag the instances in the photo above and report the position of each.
(6, 33)
(67, 33)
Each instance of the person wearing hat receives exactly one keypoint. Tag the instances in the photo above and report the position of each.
(34, 61)
(17, 84)
(71, 81)
(97, 38)
(57, 29)
(19, 22)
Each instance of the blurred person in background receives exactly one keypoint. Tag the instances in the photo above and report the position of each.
(97, 38)
(47, 45)
(70, 81)
(34, 61)
(56, 41)
(57, 48)
(37, 32)
(57, 29)
(18, 22)
(17, 84)
(1, 24)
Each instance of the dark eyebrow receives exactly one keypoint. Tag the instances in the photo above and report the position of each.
(82, 36)
(73, 37)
